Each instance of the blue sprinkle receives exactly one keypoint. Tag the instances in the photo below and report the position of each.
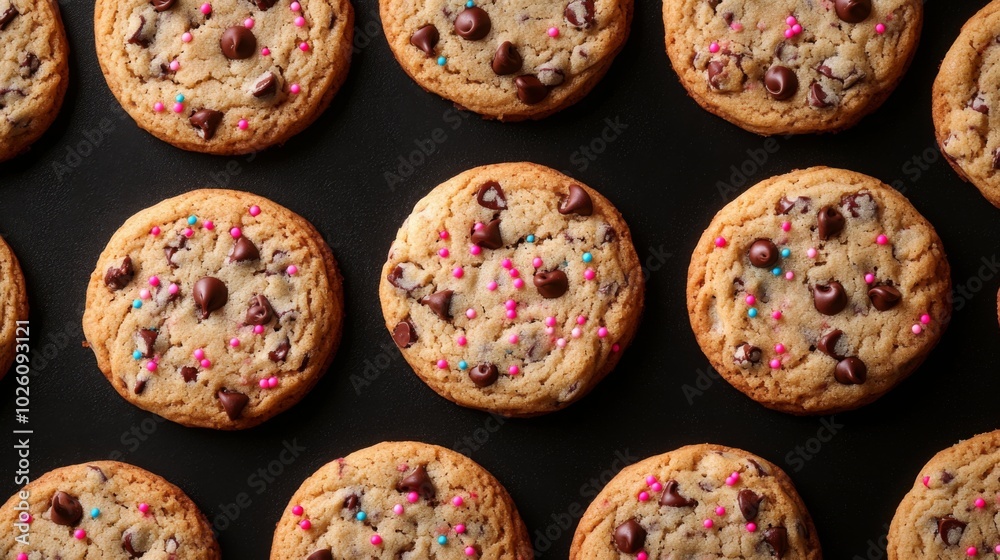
(442, 60)
(94, 513)
(180, 98)
(530, 239)
(442, 540)
(752, 312)
(192, 220)
(361, 516)
(463, 365)
(137, 355)
(587, 257)
(470, 4)
(776, 271)
(785, 253)
(137, 303)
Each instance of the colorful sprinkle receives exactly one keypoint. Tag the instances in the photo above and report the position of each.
(236, 233)
(79, 534)
(720, 242)
(22, 556)
(305, 524)
(144, 507)
(752, 312)
(880, 28)
(178, 107)
(179, 98)
(789, 275)
(513, 370)
(209, 225)
(397, 509)
(513, 339)
(927, 481)
(442, 61)
(869, 278)
(199, 354)
(776, 315)
(442, 540)
(708, 523)
(643, 496)
(206, 8)
(602, 332)
(265, 52)
(137, 355)
(925, 319)
(243, 124)
(303, 46)
(751, 300)
(156, 229)
(296, 6)
(980, 503)
(94, 513)
(295, 88)
(461, 340)
(553, 32)
(775, 364)
(469, 551)
(530, 238)
(917, 329)
(151, 365)
(776, 271)
(458, 272)
(174, 65)
(158, 107)
(206, 363)
(881, 240)
(971, 551)
(442, 364)
(292, 270)
(587, 257)
(144, 294)
(376, 540)
(589, 274)
(713, 48)
(475, 249)
(561, 342)
(297, 510)
(137, 303)
(235, 342)
(443, 252)
(751, 527)
(248, 23)
(173, 289)
(811, 253)
(412, 497)
(779, 348)
(361, 516)
(786, 252)
(536, 262)
(299, 22)
(188, 232)
(720, 511)
(785, 226)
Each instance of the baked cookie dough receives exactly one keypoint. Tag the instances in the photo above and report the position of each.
(13, 306)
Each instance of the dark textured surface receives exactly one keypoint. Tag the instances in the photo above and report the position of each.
(662, 172)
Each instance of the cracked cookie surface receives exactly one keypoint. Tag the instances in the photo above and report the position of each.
(13, 305)
(105, 509)
(699, 501)
(512, 288)
(512, 60)
(34, 71)
(226, 76)
(791, 66)
(818, 291)
(401, 500)
(216, 308)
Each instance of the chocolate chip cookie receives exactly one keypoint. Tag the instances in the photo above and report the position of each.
(699, 501)
(401, 500)
(967, 104)
(104, 509)
(512, 60)
(224, 76)
(818, 291)
(512, 288)
(215, 308)
(791, 66)
(34, 71)
(13, 306)
(951, 510)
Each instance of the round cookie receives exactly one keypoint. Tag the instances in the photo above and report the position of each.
(951, 510)
(699, 501)
(512, 60)
(34, 71)
(226, 76)
(512, 288)
(401, 500)
(818, 291)
(13, 306)
(967, 105)
(217, 309)
(791, 66)
(104, 509)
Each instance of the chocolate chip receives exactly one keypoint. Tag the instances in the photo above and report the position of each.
(7, 17)
(425, 39)
(189, 374)
(851, 371)
(264, 4)
(552, 284)
(884, 297)
(440, 303)
(238, 42)
(491, 195)
(818, 96)
(996, 158)
(785, 205)
(749, 503)
(395, 277)
(65, 509)
(117, 278)
(129, 546)
(324, 554)
(207, 121)
(858, 203)
(210, 294)
(473, 23)
(763, 253)
(715, 69)
(233, 402)
(484, 375)
(405, 333)
(506, 60)
(530, 90)
(417, 481)
(672, 496)
(148, 339)
(978, 103)
(140, 386)
(579, 13)
(280, 353)
(162, 5)
(854, 11)
(266, 84)
(352, 502)
(831, 222)
(760, 468)
(781, 82)
(100, 473)
(777, 537)
(259, 311)
(830, 299)
(950, 529)
(577, 202)
(946, 477)
(488, 236)
(630, 537)
(139, 37)
(828, 344)
(29, 65)
(746, 355)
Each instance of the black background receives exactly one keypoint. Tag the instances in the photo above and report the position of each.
(61, 203)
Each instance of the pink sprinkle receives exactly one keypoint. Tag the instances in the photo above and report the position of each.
(258, 329)
(561, 342)
(79, 534)
(188, 232)
(751, 527)
(199, 354)
(789, 33)
(491, 286)
(615, 348)
(776, 315)
(263, 383)
(443, 253)
(796, 29)
(235, 343)
(791, 21)
(811, 253)
(550, 321)
(265, 52)
(925, 319)
(460, 528)
(514, 273)
(650, 479)
(235, 232)
(785, 226)
(720, 511)
(581, 320)
(576, 332)
(997, 549)
(720, 242)
(469, 551)
(305, 524)
(174, 65)
(206, 8)
(299, 22)
(442, 364)
(155, 231)
(461, 340)
(458, 272)
(443, 234)
(708, 523)
(869, 278)
(304, 47)
(779, 348)
(470, 313)
(980, 503)
(971, 551)
(775, 364)
(656, 487)
(714, 48)
(144, 294)
(879, 28)
(457, 501)
(881, 240)
(477, 226)
(154, 281)
(602, 332)
(295, 88)
(643, 496)
(475, 249)
(206, 363)
(292, 270)
(917, 329)
(397, 509)
(506, 264)
(172, 289)
(927, 481)
(144, 507)
(22, 556)
(511, 314)
(209, 225)
(243, 124)
(642, 556)
(736, 26)
(510, 304)
(178, 107)
(412, 497)
(513, 370)
(751, 300)
(158, 107)
(518, 283)
(296, 7)
(589, 274)
(553, 32)
(272, 382)
(151, 365)
(297, 510)
(513, 339)
(536, 262)
(789, 275)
